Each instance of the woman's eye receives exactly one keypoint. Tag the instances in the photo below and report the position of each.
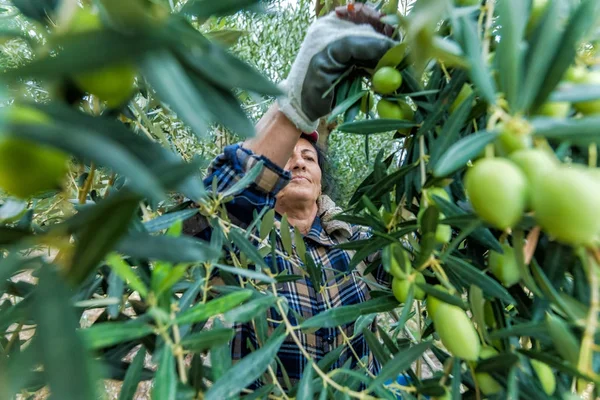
(309, 158)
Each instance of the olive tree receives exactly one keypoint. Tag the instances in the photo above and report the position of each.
(482, 206)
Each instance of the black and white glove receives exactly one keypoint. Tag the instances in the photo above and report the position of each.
(350, 36)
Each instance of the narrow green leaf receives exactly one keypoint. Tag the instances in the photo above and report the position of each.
(563, 338)
(305, 387)
(165, 380)
(542, 48)
(393, 56)
(559, 364)
(246, 273)
(261, 393)
(300, 246)
(482, 235)
(533, 329)
(167, 248)
(108, 221)
(201, 312)
(246, 181)
(584, 18)
(12, 235)
(107, 334)
(575, 93)
(443, 296)
(471, 44)
(387, 340)
(286, 237)
(548, 289)
(220, 356)
(498, 363)
(582, 131)
(247, 248)
(177, 89)
(267, 223)
(451, 130)
(456, 379)
(217, 65)
(88, 51)
(399, 363)
(86, 143)
(477, 303)
(225, 37)
(375, 346)
(204, 340)
(251, 309)
(166, 220)
(245, 371)
(124, 270)
(314, 272)
(223, 107)
(287, 278)
(461, 152)
(346, 314)
(67, 367)
(476, 277)
(330, 358)
(509, 55)
(172, 277)
(133, 375)
(205, 8)
(345, 105)
(408, 306)
(370, 126)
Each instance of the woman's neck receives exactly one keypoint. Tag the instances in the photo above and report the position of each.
(300, 215)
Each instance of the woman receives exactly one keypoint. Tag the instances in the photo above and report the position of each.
(291, 182)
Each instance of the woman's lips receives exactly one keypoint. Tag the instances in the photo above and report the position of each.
(298, 178)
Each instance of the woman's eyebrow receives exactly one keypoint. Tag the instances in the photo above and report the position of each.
(307, 151)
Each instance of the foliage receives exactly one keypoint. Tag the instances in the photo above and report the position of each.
(111, 240)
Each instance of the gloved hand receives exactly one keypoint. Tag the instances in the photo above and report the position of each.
(352, 35)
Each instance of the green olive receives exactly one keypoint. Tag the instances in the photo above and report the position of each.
(545, 375)
(27, 167)
(113, 84)
(401, 287)
(504, 266)
(509, 141)
(533, 163)
(488, 385)
(400, 266)
(389, 109)
(463, 95)
(590, 107)
(498, 191)
(456, 331)
(367, 102)
(386, 80)
(559, 109)
(565, 205)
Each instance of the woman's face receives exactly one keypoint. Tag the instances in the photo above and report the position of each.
(306, 174)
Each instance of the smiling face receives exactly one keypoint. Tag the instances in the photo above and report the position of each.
(305, 185)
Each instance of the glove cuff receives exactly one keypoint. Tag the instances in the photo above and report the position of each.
(291, 108)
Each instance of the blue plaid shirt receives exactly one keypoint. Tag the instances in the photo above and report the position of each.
(339, 285)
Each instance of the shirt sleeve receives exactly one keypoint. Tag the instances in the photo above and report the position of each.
(226, 170)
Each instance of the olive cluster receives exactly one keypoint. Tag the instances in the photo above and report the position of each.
(386, 82)
(28, 168)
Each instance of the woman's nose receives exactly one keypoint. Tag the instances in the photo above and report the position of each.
(298, 162)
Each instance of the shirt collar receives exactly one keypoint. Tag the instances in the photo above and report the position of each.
(325, 230)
